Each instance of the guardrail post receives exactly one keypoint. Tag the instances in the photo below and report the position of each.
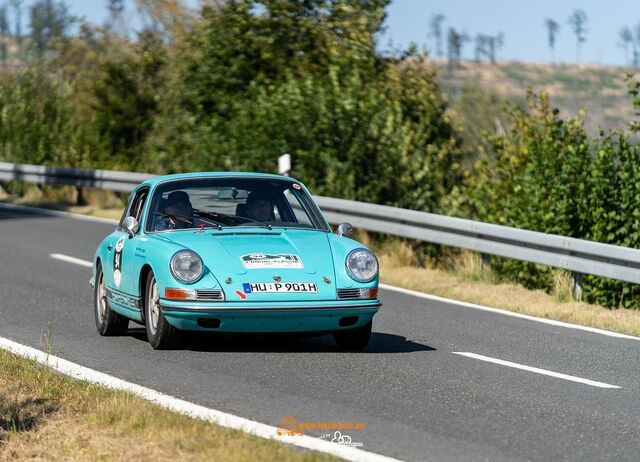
(80, 198)
(576, 285)
(485, 259)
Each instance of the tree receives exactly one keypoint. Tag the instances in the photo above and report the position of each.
(49, 20)
(4, 33)
(481, 46)
(232, 46)
(116, 20)
(635, 46)
(377, 138)
(626, 40)
(125, 93)
(578, 21)
(463, 39)
(35, 118)
(17, 15)
(435, 26)
(455, 42)
(552, 31)
(488, 45)
(493, 44)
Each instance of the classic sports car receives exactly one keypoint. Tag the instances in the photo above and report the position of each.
(232, 252)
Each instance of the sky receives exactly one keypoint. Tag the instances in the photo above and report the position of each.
(521, 22)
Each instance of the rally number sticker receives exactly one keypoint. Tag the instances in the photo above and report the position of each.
(117, 261)
(267, 260)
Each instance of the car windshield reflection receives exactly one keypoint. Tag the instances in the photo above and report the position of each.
(220, 203)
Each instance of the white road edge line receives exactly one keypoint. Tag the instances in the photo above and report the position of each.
(474, 306)
(190, 409)
(68, 259)
(557, 375)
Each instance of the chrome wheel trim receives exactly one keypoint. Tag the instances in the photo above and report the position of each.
(101, 299)
(153, 304)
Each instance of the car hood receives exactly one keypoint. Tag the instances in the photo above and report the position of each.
(258, 256)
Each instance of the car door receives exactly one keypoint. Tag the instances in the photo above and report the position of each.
(121, 247)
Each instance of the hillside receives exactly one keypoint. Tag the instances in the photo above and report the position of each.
(599, 89)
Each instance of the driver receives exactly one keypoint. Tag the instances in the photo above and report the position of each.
(259, 207)
(179, 207)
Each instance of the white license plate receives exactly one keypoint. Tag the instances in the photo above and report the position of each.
(280, 287)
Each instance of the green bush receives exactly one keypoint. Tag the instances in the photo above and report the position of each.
(549, 176)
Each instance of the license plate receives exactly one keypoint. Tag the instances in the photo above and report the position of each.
(280, 287)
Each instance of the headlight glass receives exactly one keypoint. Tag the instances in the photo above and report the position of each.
(362, 265)
(186, 266)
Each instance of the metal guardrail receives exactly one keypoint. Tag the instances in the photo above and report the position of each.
(576, 255)
(100, 179)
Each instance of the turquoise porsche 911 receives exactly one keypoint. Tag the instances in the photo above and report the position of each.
(232, 252)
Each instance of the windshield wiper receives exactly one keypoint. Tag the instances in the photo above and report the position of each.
(236, 219)
(261, 223)
(176, 217)
(187, 220)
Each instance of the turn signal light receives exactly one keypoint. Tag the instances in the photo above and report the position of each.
(373, 293)
(179, 294)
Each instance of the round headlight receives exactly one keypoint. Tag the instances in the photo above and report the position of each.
(362, 265)
(186, 266)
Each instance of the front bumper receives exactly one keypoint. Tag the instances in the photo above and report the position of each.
(270, 316)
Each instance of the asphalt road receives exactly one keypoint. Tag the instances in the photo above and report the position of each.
(417, 398)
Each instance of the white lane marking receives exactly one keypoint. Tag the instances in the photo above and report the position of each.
(557, 375)
(190, 409)
(59, 213)
(474, 306)
(74, 260)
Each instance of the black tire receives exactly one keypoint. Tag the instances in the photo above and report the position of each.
(353, 339)
(108, 322)
(161, 334)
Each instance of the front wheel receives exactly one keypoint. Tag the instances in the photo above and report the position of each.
(161, 334)
(108, 322)
(353, 339)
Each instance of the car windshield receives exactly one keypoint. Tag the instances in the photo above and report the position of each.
(232, 202)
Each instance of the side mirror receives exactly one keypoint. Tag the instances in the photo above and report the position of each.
(345, 229)
(130, 226)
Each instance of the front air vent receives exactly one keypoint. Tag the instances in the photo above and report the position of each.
(210, 295)
(348, 321)
(209, 323)
(352, 294)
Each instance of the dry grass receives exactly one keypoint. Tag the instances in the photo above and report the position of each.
(562, 285)
(600, 89)
(466, 280)
(48, 416)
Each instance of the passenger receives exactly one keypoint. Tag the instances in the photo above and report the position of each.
(259, 207)
(179, 212)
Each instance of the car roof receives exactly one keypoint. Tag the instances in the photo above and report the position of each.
(183, 176)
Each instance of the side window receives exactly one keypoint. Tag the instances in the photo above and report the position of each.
(135, 205)
(139, 204)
